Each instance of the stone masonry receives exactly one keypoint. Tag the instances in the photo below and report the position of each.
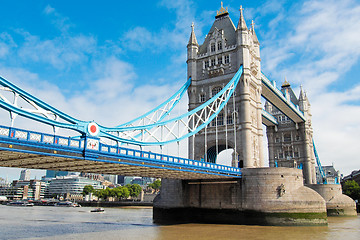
(211, 66)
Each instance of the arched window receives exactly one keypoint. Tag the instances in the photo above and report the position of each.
(206, 63)
(229, 119)
(212, 47)
(227, 59)
(220, 119)
(287, 137)
(219, 45)
(202, 97)
(215, 91)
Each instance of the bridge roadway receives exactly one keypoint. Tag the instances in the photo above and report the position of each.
(27, 149)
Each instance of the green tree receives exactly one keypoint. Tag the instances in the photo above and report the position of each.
(122, 192)
(135, 189)
(88, 189)
(156, 185)
(101, 194)
(352, 189)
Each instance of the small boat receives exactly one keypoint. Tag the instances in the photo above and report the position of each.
(20, 204)
(98, 210)
(67, 204)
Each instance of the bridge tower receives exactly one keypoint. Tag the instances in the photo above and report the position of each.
(211, 66)
(291, 144)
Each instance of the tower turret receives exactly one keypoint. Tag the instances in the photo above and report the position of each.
(255, 40)
(192, 51)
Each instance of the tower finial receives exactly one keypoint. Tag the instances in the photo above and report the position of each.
(222, 11)
(285, 84)
(252, 24)
(192, 40)
(241, 23)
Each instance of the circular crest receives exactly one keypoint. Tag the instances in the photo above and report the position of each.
(93, 129)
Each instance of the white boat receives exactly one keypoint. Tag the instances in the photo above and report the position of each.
(67, 204)
(20, 204)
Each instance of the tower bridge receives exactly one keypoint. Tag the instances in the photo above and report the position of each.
(225, 88)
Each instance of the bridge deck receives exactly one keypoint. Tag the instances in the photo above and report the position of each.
(23, 153)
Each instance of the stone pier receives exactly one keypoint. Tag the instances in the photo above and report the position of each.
(337, 204)
(263, 196)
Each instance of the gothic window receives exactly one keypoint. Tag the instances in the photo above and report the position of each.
(288, 154)
(215, 91)
(213, 62)
(287, 137)
(296, 154)
(202, 97)
(212, 47)
(219, 45)
(227, 59)
(220, 119)
(281, 155)
(297, 138)
(229, 119)
(206, 63)
(213, 123)
(277, 139)
(220, 60)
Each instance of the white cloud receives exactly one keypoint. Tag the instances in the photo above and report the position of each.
(317, 51)
(60, 53)
(61, 22)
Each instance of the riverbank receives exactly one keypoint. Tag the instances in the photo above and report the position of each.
(115, 204)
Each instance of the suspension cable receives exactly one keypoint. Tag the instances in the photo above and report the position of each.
(234, 122)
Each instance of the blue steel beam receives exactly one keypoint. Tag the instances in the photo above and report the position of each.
(227, 90)
(57, 148)
(272, 94)
(268, 119)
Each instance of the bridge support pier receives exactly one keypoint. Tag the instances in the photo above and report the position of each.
(337, 204)
(263, 196)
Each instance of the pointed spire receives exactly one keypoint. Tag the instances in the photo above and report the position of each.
(255, 39)
(302, 94)
(241, 23)
(192, 40)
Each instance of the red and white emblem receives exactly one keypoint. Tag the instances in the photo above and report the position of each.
(93, 129)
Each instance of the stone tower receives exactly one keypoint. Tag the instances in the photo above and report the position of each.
(291, 144)
(211, 66)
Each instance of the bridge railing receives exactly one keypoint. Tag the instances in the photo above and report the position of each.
(145, 155)
(94, 146)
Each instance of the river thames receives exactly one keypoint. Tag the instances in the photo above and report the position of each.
(40, 222)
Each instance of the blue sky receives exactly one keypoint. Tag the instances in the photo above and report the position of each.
(112, 61)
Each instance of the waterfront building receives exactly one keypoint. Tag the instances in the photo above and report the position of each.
(110, 178)
(54, 173)
(19, 189)
(25, 175)
(60, 186)
(354, 175)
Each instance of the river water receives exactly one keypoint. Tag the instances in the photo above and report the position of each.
(40, 222)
